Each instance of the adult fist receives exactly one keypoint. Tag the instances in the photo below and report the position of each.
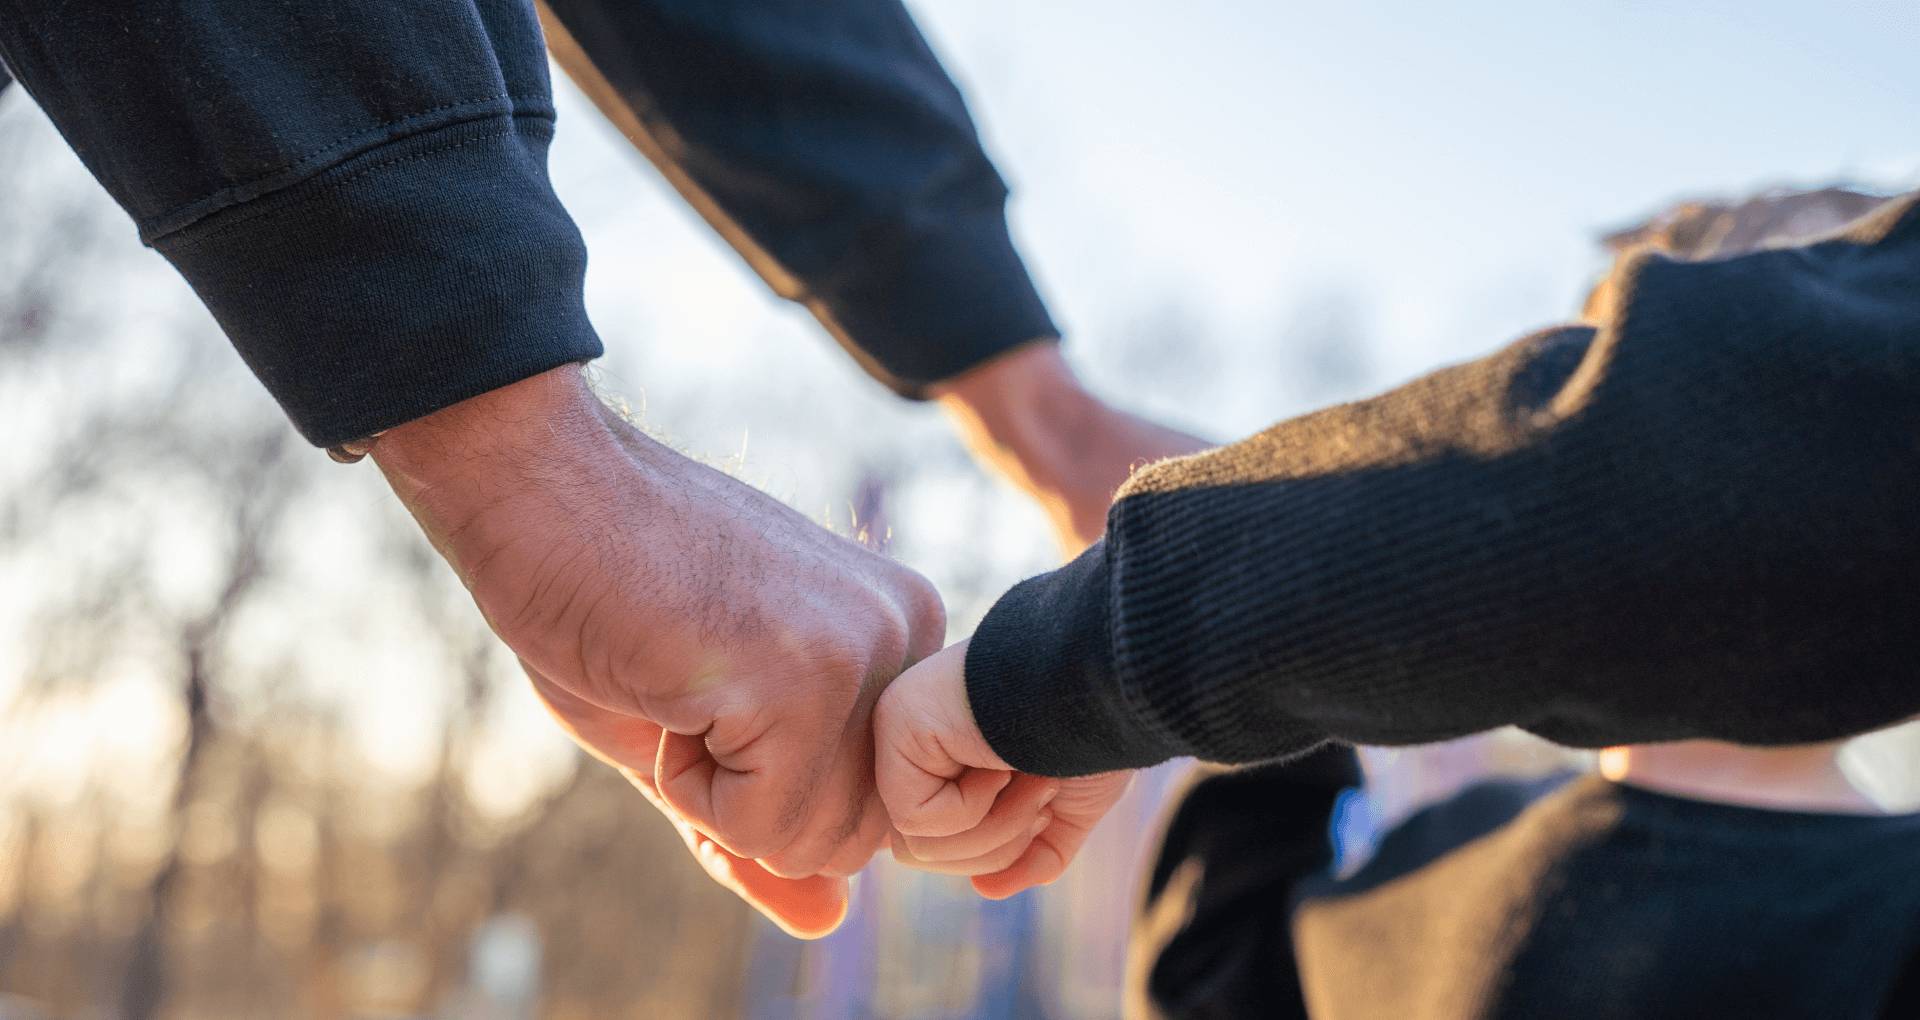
(722, 649)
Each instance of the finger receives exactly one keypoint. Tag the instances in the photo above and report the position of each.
(709, 795)
(683, 774)
(840, 806)
(923, 802)
(835, 821)
(1078, 807)
(1044, 861)
(805, 908)
(932, 778)
(927, 628)
(623, 741)
(1013, 812)
(958, 805)
(857, 852)
(992, 862)
(752, 780)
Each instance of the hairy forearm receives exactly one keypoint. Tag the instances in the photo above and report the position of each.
(473, 471)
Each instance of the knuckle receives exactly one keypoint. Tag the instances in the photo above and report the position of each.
(750, 841)
(847, 660)
(911, 820)
(931, 823)
(800, 863)
(755, 830)
(926, 613)
(891, 736)
(1005, 857)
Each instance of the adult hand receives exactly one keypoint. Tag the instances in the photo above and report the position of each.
(957, 807)
(806, 908)
(721, 649)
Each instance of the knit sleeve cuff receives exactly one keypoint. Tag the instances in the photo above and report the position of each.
(411, 277)
(945, 296)
(1042, 682)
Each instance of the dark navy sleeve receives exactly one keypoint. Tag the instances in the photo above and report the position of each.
(825, 142)
(357, 189)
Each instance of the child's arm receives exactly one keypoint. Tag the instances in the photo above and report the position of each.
(1694, 520)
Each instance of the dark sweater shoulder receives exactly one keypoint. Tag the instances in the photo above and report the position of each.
(1602, 900)
(1692, 518)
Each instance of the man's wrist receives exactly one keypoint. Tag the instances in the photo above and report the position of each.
(490, 450)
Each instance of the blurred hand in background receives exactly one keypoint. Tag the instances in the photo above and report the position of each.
(1026, 415)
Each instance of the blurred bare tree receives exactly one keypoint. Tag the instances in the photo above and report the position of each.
(218, 846)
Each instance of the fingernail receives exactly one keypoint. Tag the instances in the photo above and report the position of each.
(1040, 824)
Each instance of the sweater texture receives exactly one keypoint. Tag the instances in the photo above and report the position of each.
(1694, 518)
(1568, 898)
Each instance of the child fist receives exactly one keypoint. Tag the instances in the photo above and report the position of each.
(957, 807)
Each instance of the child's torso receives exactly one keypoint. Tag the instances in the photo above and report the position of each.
(1598, 900)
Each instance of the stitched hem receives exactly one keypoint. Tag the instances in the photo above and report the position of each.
(341, 151)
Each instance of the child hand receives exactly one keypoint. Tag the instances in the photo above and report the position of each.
(957, 807)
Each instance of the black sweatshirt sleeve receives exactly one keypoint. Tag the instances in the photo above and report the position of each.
(825, 142)
(1696, 520)
(357, 189)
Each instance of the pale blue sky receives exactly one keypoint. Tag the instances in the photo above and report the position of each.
(1451, 161)
(1445, 165)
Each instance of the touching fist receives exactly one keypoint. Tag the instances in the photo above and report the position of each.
(957, 808)
(722, 650)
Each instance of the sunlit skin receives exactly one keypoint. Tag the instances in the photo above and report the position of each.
(1805, 777)
(960, 809)
(721, 649)
(723, 652)
(957, 807)
(805, 908)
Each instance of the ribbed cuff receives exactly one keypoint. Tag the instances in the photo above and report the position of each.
(951, 296)
(407, 279)
(1042, 683)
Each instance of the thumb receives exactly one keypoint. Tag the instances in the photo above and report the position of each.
(751, 811)
(935, 773)
(806, 908)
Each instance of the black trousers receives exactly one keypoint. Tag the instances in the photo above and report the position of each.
(1212, 939)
